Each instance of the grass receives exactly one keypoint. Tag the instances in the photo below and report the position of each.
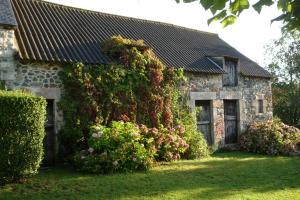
(223, 176)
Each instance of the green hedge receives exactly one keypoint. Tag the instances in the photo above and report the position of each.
(22, 118)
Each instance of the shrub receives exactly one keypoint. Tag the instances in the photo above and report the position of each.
(120, 147)
(135, 87)
(197, 145)
(168, 143)
(186, 119)
(127, 147)
(271, 137)
(21, 134)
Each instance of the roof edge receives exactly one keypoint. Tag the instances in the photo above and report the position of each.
(7, 15)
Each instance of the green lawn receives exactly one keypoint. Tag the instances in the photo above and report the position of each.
(223, 176)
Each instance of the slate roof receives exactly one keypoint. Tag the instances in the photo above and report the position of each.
(57, 33)
(7, 17)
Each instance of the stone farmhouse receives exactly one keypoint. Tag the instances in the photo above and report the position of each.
(38, 38)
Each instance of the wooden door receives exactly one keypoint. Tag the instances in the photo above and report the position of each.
(230, 78)
(204, 119)
(230, 110)
(50, 135)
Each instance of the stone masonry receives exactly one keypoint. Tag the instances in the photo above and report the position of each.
(247, 92)
(7, 52)
(35, 76)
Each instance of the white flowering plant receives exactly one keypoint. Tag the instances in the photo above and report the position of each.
(120, 147)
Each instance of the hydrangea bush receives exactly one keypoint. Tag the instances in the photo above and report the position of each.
(120, 147)
(271, 137)
(126, 147)
(168, 143)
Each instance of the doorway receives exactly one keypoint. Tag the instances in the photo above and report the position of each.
(49, 140)
(204, 119)
(230, 119)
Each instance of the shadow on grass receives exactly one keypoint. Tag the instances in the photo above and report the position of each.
(223, 175)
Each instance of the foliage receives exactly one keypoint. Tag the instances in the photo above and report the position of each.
(21, 134)
(127, 147)
(168, 143)
(226, 176)
(227, 11)
(2, 85)
(284, 63)
(286, 104)
(120, 147)
(186, 120)
(136, 88)
(283, 58)
(271, 137)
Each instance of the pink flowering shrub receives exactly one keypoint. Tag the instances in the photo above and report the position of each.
(127, 147)
(271, 137)
(120, 147)
(168, 143)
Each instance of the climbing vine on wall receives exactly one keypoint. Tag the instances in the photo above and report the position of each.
(135, 87)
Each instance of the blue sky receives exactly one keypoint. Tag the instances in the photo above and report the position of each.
(249, 34)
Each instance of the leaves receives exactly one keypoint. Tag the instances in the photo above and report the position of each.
(228, 20)
(217, 17)
(284, 5)
(22, 131)
(279, 18)
(258, 6)
(206, 4)
(270, 137)
(218, 5)
(238, 6)
(133, 88)
(233, 8)
(226, 16)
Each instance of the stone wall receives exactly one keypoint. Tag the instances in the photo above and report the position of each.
(35, 76)
(7, 52)
(247, 93)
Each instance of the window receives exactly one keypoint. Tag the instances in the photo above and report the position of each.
(230, 78)
(260, 106)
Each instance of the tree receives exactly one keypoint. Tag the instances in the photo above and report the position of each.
(283, 56)
(284, 63)
(286, 102)
(227, 11)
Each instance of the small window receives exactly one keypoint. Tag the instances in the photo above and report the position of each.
(260, 106)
